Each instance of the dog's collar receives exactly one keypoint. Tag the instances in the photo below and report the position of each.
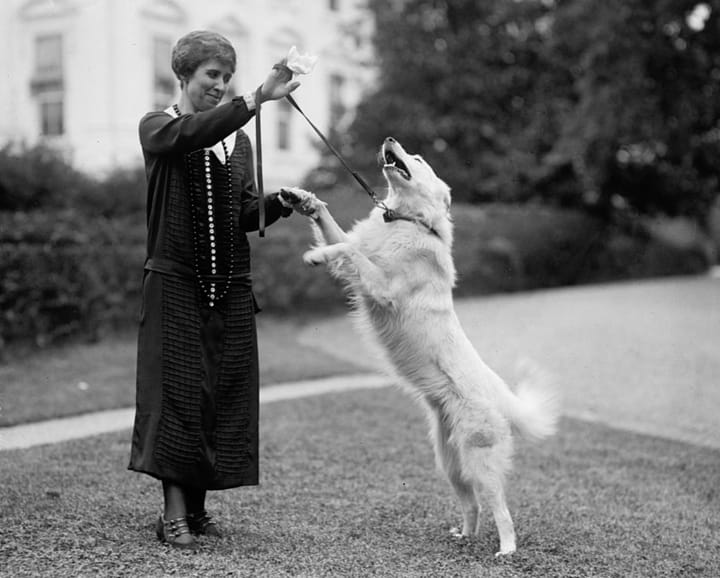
(389, 215)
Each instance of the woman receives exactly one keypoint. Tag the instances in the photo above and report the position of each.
(196, 421)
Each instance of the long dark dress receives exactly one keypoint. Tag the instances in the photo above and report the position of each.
(196, 420)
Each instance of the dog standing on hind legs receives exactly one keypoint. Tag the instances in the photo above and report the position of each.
(398, 269)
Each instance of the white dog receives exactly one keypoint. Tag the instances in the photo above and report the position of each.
(399, 271)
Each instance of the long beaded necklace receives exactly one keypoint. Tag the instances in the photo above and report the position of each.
(210, 288)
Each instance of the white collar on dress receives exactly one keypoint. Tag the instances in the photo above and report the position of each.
(217, 148)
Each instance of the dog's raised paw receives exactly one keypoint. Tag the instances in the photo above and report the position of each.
(302, 201)
(314, 257)
(291, 195)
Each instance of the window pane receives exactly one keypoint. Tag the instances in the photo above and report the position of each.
(48, 55)
(163, 76)
(337, 106)
(51, 118)
(283, 135)
(162, 49)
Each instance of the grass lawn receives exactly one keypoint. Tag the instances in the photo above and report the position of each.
(78, 378)
(348, 489)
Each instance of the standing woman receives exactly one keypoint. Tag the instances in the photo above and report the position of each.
(196, 420)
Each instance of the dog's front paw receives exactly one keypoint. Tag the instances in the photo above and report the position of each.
(325, 254)
(290, 196)
(302, 201)
(315, 257)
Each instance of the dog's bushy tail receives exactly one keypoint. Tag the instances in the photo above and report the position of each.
(535, 406)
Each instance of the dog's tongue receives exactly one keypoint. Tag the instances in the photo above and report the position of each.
(390, 158)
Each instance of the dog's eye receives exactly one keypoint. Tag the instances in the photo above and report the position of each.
(419, 159)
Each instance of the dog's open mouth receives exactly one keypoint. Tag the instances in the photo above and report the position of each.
(393, 162)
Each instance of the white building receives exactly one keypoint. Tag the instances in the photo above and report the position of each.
(79, 74)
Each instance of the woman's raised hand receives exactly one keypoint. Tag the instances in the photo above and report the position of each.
(278, 84)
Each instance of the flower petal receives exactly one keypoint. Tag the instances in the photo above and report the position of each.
(300, 63)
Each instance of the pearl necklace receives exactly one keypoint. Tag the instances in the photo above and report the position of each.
(210, 289)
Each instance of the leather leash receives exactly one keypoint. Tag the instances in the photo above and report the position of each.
(389, 214)
(259, 169)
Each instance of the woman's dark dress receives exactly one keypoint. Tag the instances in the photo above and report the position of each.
(196, 420)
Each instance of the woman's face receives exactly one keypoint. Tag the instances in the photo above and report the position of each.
(207, 85)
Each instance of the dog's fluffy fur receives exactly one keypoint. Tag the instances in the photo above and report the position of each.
(400, 276)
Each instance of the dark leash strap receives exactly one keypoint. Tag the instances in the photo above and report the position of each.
(259, 170)
(389, 214)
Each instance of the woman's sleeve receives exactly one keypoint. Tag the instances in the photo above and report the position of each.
(160, 133)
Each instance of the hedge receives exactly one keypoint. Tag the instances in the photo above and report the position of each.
(69, 274)
(64, 274)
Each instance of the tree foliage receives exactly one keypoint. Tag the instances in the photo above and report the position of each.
(606, 105)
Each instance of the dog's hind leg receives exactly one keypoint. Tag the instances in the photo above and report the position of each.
(448, 460)
(493, 464)
(506, 530)
(468, 505)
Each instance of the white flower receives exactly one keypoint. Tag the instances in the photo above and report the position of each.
(300, 63)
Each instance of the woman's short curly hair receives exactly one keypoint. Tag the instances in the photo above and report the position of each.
(197, 47)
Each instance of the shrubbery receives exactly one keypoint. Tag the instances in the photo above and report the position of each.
(73, 266)
(71, 247)
(62, 273)
(501, 248)
(38, 177)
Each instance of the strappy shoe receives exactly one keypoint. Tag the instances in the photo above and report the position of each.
(176, 533)
(201, 523)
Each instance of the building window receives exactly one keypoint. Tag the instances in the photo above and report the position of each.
(51, 116)
(284, 114)
(48, 57)
(47, 83)
(163, 78)
(337, 106)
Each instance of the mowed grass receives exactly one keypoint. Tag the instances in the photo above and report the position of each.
(79, 378)
(348, 488)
